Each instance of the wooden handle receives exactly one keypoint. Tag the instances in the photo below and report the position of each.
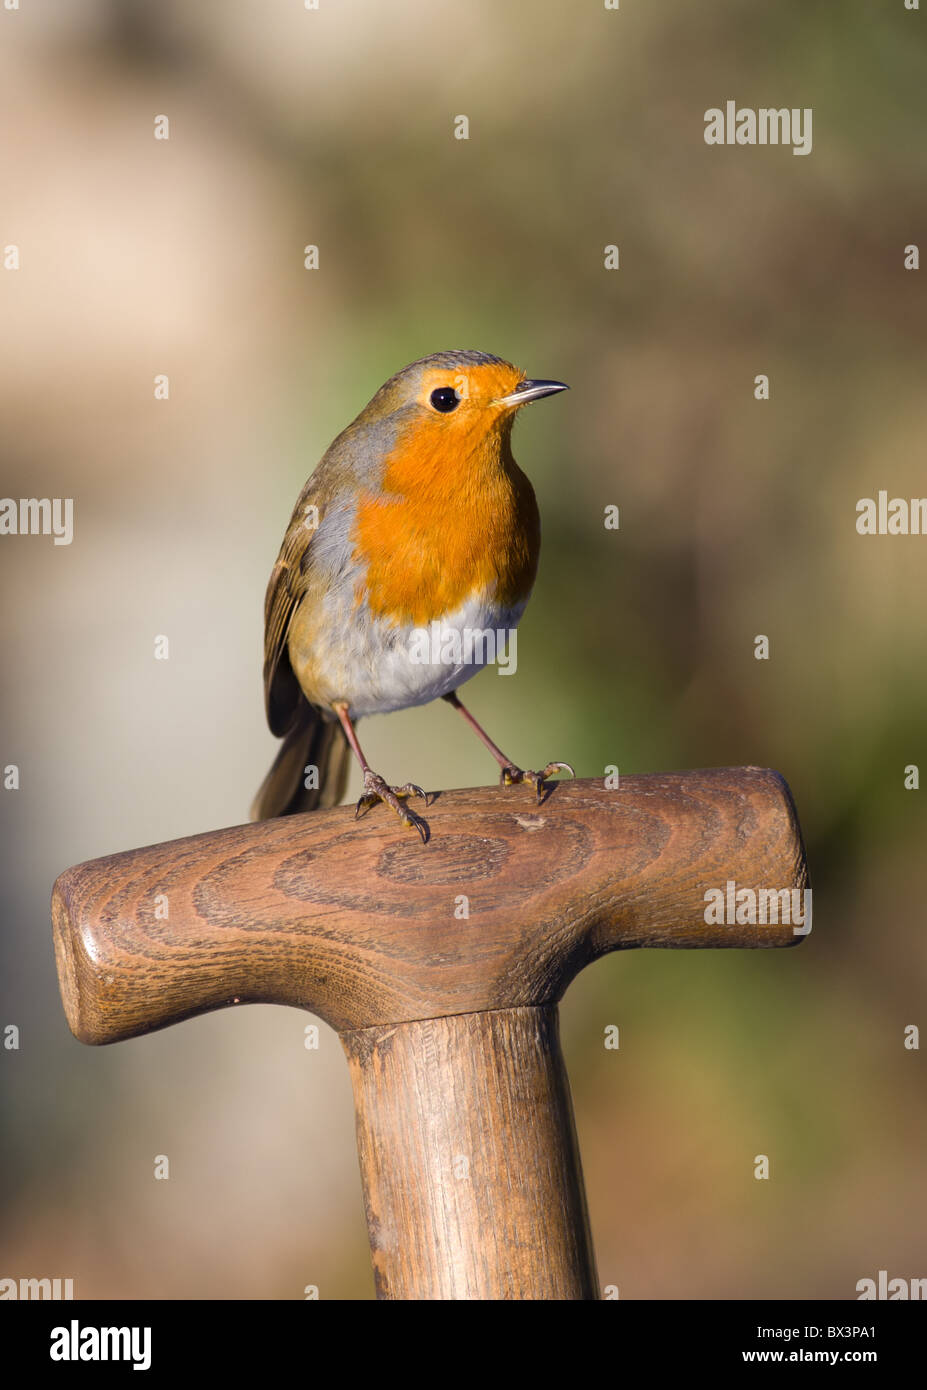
(468, 1155)
(361, 924)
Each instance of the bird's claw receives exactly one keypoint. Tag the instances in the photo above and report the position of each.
(511, 775)
(411, 789)
(377, 789)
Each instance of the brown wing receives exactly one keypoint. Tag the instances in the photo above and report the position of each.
(287, 586)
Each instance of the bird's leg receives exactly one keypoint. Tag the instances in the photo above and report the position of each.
(375, 788)
(510, 773)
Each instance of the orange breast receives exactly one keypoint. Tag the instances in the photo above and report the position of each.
(457, 517)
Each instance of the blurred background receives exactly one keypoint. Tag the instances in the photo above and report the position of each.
(139, 256)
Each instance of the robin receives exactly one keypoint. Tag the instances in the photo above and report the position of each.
(416, 536)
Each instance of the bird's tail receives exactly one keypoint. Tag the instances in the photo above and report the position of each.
(310, 742)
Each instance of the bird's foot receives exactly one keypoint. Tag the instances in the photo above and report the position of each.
(376, 789)
(511, 775)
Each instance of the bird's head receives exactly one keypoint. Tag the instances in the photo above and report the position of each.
(457, 396)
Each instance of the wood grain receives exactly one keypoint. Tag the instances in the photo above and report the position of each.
(468, 1153)
(440, 965)
(355, 920)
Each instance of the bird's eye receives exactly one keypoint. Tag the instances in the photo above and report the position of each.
(444, 399)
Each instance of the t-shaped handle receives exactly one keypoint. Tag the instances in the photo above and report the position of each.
(440, 967)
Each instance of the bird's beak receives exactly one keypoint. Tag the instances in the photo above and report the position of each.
(531, 391)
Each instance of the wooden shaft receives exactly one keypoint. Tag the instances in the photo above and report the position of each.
(362, 924)
(468, 1155)
(440, 966)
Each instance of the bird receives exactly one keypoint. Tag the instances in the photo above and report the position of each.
(416, 521)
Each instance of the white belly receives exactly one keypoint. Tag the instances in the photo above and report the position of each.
(384, 668)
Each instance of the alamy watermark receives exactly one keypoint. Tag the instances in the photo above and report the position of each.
(440, 645)
(900, 516)
(87, 1343)
(38, 516)
(891, 1289)
(37, 1289)
(731, 906)
(765, 125)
